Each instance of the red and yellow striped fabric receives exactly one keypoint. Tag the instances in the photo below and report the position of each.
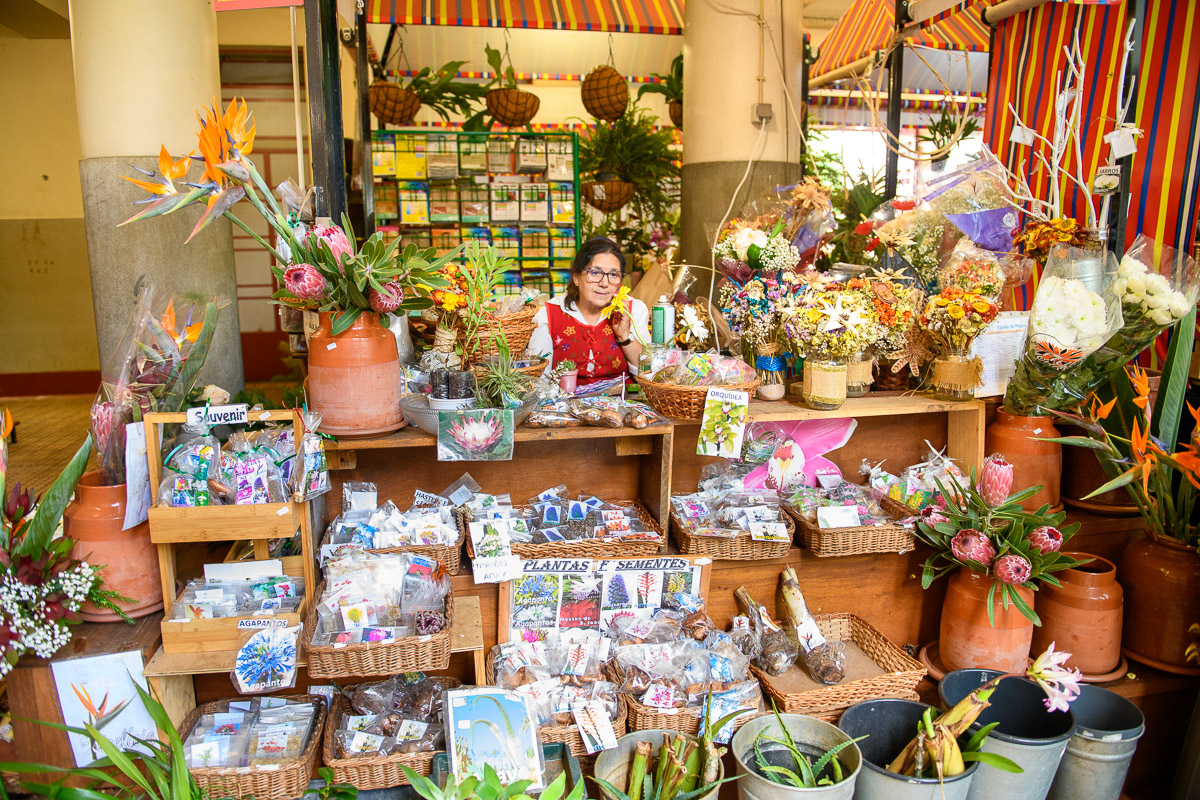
(869, 25)
(1165, 184)
(619, 16)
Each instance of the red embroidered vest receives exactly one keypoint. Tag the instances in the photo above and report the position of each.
(593, 348)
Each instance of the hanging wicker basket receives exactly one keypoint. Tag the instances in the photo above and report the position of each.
(605, 93)
(392, 103)
(512, 107)
(607, 196)
(675, 112)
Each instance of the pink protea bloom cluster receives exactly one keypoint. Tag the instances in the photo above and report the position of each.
(972, 545)
(305, 282)
(388, 300)
(995, 480)
(1046, 539)
(1012, 569)
(332, 236)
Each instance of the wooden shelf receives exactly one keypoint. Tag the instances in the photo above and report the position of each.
(875, 404)
(415, 437)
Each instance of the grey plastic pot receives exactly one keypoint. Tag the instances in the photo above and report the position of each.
(890, 725)
(1028, 734)
(810, 734)
(613, 765)
(1099, 753)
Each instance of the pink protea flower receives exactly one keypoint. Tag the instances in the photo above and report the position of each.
(476, 435)
(972, 545)
(1012, 569)
(388, 300)
(1060, 684)
(995, 480)
(1046, 539)
(932, 515)
(102, 423)
(303, 281)
(332, 236)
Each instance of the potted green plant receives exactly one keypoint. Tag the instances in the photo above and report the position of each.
(670, 86)
(626, 158)
(490, 787)
(437, 89)
(506, 103)
(568, 375)
(950, 128)
(787, 756)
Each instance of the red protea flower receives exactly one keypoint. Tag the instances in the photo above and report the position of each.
(972, 545)
(102, 422)
(995, 480)
(904, 205)
(303, 281)
(932, 515)
(332, 236)
(1012, 569)
(388, 300)
(1046, 539)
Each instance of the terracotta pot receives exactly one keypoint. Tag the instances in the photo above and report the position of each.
(1034, 462)
(94, 519)
(1082, 474)
(968, 640)
(1162, 584)
(354, 378)
(1083, 616)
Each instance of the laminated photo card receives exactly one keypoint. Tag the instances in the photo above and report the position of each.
(484, 434)
(497, 728)
(723, 423)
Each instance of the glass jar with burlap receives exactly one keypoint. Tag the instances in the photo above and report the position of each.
(824, 386)
(955, 375)
(859, 374)
(770, 366)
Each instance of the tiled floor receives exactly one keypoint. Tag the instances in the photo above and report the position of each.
(50, 429)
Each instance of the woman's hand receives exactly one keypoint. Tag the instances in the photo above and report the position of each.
(621, 325)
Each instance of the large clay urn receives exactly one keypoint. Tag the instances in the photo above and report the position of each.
(968, 640)
(354, 378)
(1035, 462)
(1162, 600)
(1083, 616)
(129, 560)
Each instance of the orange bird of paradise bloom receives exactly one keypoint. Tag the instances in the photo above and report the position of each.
(1141, 385)
(88, 704)
(220, 135)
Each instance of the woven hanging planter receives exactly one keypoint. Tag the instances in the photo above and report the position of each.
(675, 112)
(512, 107)
(392, 103)
(605, 93)
(607, 196)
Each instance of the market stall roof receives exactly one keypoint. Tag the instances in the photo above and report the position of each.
(869, 25)
(618, 16)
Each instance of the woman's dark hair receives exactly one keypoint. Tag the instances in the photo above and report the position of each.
(583, 259)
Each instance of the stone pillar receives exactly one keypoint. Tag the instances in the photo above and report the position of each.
(721, 65)
(142, 70)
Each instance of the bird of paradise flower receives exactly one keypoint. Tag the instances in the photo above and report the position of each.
(95, 713)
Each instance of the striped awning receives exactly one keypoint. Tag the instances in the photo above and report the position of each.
(616, 16)
(869, 26)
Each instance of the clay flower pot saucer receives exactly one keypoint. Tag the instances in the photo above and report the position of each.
(931, 656)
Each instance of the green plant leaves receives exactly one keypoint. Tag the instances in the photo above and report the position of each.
(1168, 406)
(41, 528)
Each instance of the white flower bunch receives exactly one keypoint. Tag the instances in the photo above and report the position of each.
(1149, 294)
(691, 325)
(739, 244)
(1066, 311)
(779, 254)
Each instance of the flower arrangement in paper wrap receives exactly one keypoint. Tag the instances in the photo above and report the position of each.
(976, 199)
(154, 369)
(1068, 322)
(1134, 442)
(743, 250)
(954, 318)
(973, 269)
(808, 218)
(834, 321)
(1157, 287)
(917, 234)
(982, 528)
(1039, 237)
(323, 268)
(40, 583)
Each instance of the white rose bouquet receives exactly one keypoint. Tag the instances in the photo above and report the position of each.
(743, 251)
(1157, 287)
(1069, 321)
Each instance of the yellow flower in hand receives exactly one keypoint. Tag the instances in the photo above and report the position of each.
(618, 303)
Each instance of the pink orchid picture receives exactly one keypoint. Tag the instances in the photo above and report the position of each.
(801, 456)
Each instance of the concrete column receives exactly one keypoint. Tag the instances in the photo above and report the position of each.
(142, 70)
(723, 57)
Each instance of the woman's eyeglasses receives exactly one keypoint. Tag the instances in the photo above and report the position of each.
(594, 275)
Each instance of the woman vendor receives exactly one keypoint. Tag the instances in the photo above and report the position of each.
(575, 326)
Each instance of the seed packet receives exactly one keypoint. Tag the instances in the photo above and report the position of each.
(312, 475)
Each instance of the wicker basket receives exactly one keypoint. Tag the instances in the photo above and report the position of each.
(407, 654)
(675, 112)
(684, 402)
(605, 93)
(533, 370)
(512, 107)
(734, 548)
(371, 772)
(518, 328)
(646, 718)
(607, 196)
(449, 555)
(566, 735)
(392, 103)
(585, 548)
(901, 673)
(896, 508)
(285, 782)
(825, 542)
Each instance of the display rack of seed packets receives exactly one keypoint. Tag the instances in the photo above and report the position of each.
(377, 728)
(262, 747)
(554, 524)
(379, 614)
(430, 526)
(253, 488)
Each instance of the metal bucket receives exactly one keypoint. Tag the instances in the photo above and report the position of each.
(1099, 753)
(808, 733)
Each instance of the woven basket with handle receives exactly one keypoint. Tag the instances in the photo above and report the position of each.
(392, 103)
(605, 93)
(269, 782)
(512, 107)
(900, 673)
(518, 328)
(607, 196)
(684, 402)
(642, 717)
